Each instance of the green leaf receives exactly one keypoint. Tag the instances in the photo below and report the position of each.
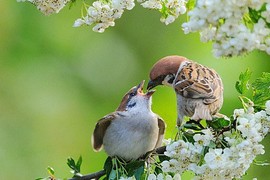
(71, 3)
(158, 170)
(204, 151)
(212, 145)
(242, 85)
(190, 4)
(75, 167)
(219, 123)
(261, 90)
(133, 166)
(139, 172)
(50, 171)
(108, 166)
(254, 15)
(188, 137)
(163, 157)
(71, 163)
(112, 175)
(79, 163)
(193, 126)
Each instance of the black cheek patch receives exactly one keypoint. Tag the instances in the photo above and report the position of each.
(131, 105)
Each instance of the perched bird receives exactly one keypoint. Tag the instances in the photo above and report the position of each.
(133, 129)
(199, 90)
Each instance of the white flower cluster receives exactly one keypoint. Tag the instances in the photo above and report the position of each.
(232, 161)
(164, 177)
(48, 7)
(155, 177)
(127, 178)
(170, 9)
(103, 13)
(223, 23)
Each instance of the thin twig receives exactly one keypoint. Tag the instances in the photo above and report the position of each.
(97, 175)
(161, 150)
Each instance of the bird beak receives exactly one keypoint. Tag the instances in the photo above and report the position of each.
(139, 88)
(150, 92)
(152, 83)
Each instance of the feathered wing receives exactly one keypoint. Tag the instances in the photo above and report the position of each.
(161, 127)
(198, 82)
(99, 131)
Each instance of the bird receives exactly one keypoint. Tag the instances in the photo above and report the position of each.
(132, 130)
(199, 89)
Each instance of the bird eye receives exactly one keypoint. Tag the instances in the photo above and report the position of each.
(132, 94)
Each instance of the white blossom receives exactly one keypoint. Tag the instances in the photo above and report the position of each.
(266, 14)
(222, 22)
(226, 163)
(127, 178)
(152, 177)
(167, 141)
(152, 4)
(203, 139)
(249, 128)
(48, 7)
(267, 107)
(172, 9)
(177, 177)
(103, 14)
(214, 158)
(78, 22)
(160, 176)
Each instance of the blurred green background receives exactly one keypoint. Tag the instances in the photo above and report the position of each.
(56, 81)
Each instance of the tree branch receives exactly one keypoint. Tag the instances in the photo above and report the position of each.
(97, 175)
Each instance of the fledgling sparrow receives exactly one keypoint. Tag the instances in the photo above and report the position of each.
(132, 130)
(199, 89)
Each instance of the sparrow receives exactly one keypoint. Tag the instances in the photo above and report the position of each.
(132, 130)
(199, 89)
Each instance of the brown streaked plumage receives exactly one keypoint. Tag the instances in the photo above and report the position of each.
(132, 130)
(199, 89)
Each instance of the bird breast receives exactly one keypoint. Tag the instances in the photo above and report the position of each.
(130, 137)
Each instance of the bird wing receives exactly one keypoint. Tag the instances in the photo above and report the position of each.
(99, 131)
(198, 82)
(161, 127)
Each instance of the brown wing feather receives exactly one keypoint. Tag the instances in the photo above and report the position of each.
(198, 82)
(99, 132)
(161, 127)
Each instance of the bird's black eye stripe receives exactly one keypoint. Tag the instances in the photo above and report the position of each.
(171, 79)
(160, 78)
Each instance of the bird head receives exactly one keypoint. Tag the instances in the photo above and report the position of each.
(164, 71)
(136, 99)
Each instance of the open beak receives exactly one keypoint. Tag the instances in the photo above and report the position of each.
(139, 90)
